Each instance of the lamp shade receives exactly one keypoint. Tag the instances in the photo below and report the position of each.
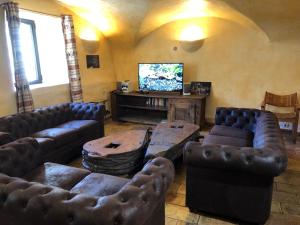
(192, 46)
(91, 46)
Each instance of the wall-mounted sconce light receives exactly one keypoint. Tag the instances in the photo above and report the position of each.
(89, 40)
(192, 46)
(192, 38)
(91, 46)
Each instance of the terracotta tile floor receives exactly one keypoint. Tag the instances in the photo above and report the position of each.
(286, 195)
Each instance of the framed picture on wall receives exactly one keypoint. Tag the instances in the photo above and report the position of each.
(200, 88)
(92, 61)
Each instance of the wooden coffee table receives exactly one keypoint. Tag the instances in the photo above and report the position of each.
(123, 153)
(116, 154)
(168, 139)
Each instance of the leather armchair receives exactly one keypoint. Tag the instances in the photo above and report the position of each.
(235, 180)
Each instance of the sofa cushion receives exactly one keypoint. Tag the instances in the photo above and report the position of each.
(61, 136)
(5, 138)
(78, 124)
(46, 144)
(227, 131)
(97, 184)
(57, 175)
(86, 128)
(222, 140)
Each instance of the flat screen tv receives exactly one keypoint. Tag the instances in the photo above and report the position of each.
(160, 77)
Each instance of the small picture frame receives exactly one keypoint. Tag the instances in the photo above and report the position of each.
(200, 88)
(92, 61)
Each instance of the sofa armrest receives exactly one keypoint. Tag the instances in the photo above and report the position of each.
(25, 202)
(88, 111)
(5, 138)
(267, 161)
(146, 190)
(19, 157)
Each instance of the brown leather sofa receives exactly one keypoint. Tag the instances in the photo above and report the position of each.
(48, 194)
(231, 174)
(60, 130)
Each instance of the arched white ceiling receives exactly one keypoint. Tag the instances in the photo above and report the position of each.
(164, 12)
(131, 20)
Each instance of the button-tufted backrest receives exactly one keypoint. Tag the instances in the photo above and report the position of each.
(87, 111)
(267, 133)
(19, 157)
(239, 118)
(18, 125)
(54, 115)
(25, 124)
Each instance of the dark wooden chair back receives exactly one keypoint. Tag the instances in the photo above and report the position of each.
(281, 100)
(290, 101)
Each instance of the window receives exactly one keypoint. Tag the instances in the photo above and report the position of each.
(43, 49)
(29, 48)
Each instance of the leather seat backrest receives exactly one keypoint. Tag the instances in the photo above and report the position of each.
(86, 111)
(18, 125)
(25, 124)
(238, 118)
(54, 115)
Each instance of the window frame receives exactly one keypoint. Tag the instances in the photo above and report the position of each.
(39, 77)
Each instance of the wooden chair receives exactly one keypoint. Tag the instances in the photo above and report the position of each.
(284, 101)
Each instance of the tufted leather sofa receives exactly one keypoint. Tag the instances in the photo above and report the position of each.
(48, 194)
(231, 174)
(60, 130)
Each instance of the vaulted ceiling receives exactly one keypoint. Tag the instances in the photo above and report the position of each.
(131, 20)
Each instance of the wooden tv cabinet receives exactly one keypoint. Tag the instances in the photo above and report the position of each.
(153, 108)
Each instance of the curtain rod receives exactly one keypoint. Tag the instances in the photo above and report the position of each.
(48, 14)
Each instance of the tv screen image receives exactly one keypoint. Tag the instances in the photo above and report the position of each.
(160, 76)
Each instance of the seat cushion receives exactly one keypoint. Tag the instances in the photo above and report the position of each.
(86, 128)
(57, 175)
(97, 184)
(46, 144)
(61, 136)
(222, 140)
(227, 131)
(78, 124)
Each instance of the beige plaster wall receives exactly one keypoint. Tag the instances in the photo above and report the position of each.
(96, 83)
(238, 61)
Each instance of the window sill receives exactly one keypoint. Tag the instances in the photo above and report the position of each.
(43, 85)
